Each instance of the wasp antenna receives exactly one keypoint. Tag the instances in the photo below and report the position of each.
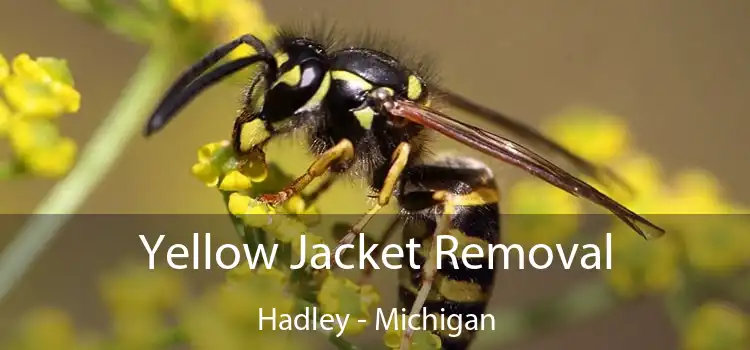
(650, 231)
(183, 91)
(169, 109)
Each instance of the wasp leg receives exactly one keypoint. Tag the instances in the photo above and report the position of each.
(341, 152)
(429, 270)
(398, 163)
(369, 269)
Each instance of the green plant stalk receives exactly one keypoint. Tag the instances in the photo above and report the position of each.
(97, 159)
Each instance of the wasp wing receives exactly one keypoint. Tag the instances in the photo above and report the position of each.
(527, 133)
(517, 155)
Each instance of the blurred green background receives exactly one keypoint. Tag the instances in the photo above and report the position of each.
(676, 71)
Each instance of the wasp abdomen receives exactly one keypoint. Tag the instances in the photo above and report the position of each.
(464, 190)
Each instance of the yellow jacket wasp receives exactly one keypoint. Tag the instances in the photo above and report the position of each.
(366, 113)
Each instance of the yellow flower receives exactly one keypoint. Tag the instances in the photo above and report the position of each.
(715, 240)
(39, 146)
(235, 181)
(420, 340)
(540, 214)
(252, 212)
(341, 296)
(206, 173)
(307, 214)
(285, 228)
(48, 329)
(228, 317)
(4, 69)
(138, 330)
(241, 17)
(136, 289)
(53, 161)
(216, 160)
(718, 244)
(198, 10)
(717, 326)
(37, 91)
(5, 117)
(644, 175)
(640, 266)
(41, 88)
(697, 192)
(295, 205)
(595, 135)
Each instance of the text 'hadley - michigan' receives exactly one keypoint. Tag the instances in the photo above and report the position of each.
(202, 255)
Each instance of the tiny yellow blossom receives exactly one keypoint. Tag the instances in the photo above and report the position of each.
(228, 317)
(138, 330)
(207, 152)
(284, 228)
(41, 88)
(252, 212)
(311, 240)
(718, 244)
(234, 181)
(215, 161)
(640, 266)
(4, 69)
(287, 229)
(239, 273)
(644, 176)
(713, 243)
(53, 161)
(597, 136)
(238, 203)
(206, 173)
(241, 17)
(137, 298)
(341, 296)
(39, 146)
(5, 118)
(540, 214)
(136, 289)
(206, 169)
(420, 340)
(274, 275)
(297, 206)
(48, 329)
(697, 192)
(268, 290)
(717, 326)
(198, 10)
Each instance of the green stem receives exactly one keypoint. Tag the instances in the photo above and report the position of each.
(101, 153)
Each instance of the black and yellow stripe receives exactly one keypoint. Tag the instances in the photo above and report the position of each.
(471, 195)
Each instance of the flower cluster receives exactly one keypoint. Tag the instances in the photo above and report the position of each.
(716, 325)
(706, 237)
(707, 243)
(36, 93)
(241, 179)
(227, 317)
(420, 340)
(187, 27)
